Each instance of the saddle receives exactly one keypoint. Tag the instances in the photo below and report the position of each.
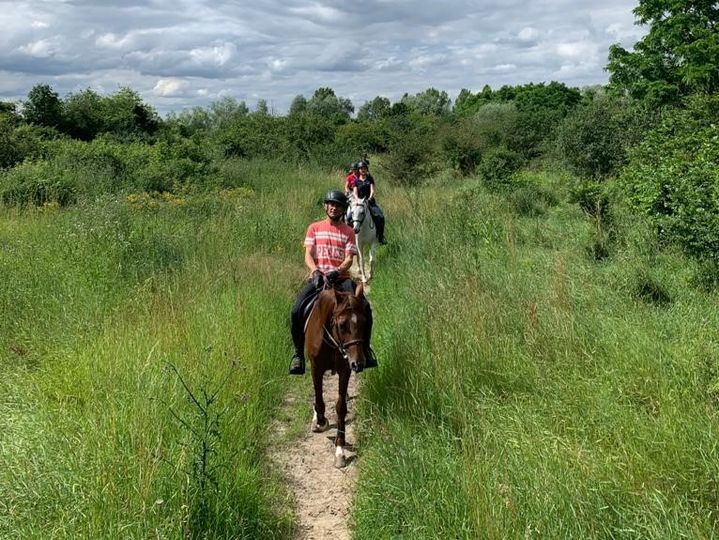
(307, 307)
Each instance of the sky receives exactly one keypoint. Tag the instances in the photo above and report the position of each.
(178, 54)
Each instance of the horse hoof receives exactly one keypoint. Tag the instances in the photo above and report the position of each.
(319, 428)
(340, 462)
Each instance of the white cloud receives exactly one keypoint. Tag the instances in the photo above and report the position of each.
(217, 55)
(41, 48)
(577, 49)
(319, 12)
(528, 33)
(111, 40)
(169, 87)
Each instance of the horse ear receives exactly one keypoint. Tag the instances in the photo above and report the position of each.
(359, 291)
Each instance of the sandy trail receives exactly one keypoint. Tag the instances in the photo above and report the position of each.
(322, 493)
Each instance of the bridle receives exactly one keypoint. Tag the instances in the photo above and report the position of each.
(333, 337)
(365, 208)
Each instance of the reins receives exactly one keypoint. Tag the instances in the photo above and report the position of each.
(341, 347)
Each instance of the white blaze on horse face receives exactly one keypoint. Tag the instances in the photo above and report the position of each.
(353, 318)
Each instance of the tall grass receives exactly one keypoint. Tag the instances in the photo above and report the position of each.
(527, 390)
(99, 300)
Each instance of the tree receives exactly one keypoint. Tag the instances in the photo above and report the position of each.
(376, 109)
(125, 115)
(226, 110)
(325, 103)
(298, 106)
(679, 55)
(262, 109)
(468, 103)
(430, 102)
(84, 115)
(191, 121)
(43, 107)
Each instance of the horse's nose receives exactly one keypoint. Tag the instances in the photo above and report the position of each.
(356, 367)
(356, 230)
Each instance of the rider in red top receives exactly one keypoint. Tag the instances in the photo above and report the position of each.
(351, 177)
(329, 249)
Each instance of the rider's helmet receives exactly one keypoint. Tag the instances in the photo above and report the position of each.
(337, 197)
(354, 166)
(361, 164)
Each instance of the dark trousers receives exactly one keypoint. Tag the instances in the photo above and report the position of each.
(305, 298)
(377, 217)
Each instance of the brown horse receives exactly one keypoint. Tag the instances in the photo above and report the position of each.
(335, 335)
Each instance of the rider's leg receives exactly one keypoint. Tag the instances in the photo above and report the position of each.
(297, 328)
(378, 217)
(370, 360)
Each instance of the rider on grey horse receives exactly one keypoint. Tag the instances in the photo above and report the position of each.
(364, 188)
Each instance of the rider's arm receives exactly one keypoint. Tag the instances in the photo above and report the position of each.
(355, 192)
(346, 263)
(309, 259)
(371, 190)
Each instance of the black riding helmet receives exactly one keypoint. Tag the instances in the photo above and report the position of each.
(337, 197)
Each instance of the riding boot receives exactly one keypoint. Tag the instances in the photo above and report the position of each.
(370, 359)
(380, 230)
(297, 328)
(297, 365)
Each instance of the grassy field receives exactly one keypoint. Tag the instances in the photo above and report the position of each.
(526, 389)
(529, 390)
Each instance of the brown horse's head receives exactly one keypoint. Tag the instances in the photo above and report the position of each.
(349, 322)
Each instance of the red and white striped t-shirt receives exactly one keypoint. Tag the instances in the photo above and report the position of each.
(330, 244)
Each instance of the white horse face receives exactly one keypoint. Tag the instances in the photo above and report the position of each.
(359, 214)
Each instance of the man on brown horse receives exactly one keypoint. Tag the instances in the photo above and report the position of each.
(329, 248)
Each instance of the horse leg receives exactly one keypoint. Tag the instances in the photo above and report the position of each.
(319, 422)
(360, 259)
(341, 409)
(372, 249)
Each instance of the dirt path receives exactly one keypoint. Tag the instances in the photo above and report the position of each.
(322, 493)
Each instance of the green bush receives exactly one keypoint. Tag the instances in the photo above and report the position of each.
(673, 177)
(592, 197)
(411, 158)
(74, 169)
(35, 184)
(461, 147)
(532, 200)
(592, 142)
(498, 166)
(360, 138)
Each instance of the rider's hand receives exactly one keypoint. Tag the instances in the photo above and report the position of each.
(317, 279)
(332, 276)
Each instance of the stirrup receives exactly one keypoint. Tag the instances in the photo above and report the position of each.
(297, 365)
